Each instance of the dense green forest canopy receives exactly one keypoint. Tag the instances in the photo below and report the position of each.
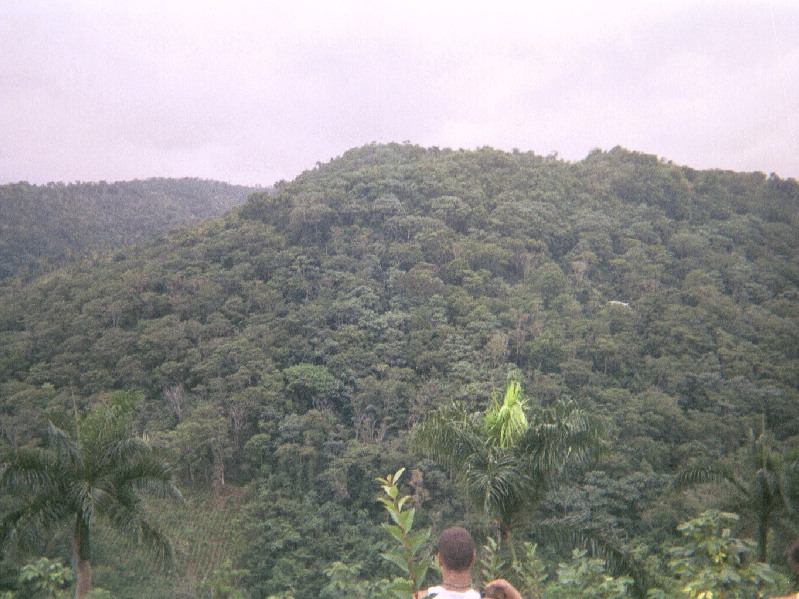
(284, 351)
(45, 225)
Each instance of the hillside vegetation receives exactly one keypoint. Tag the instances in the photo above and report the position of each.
(43, 226)
(288, 348)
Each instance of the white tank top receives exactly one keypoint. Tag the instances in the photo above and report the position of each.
(442, 593)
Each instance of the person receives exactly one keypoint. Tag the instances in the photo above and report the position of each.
(456, 556)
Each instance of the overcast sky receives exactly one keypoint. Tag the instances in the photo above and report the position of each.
(254, 92)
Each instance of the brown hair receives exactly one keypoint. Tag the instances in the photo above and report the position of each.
(456, 549)
(494, 591)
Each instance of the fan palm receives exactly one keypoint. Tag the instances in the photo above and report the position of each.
(87, 475)
(765, 486)
(507, 458)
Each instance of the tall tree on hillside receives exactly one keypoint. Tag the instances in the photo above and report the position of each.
(765, 486)
(91, 472)
(505, 456)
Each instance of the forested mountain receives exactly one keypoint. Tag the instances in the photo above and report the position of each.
(46, 225)
(284, 352)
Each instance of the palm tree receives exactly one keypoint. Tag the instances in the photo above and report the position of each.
(764, 486)
(507, 458)
(90, 474)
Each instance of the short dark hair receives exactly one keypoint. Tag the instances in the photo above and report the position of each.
(456, 549)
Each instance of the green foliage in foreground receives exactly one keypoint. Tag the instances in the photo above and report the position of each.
(48, 579)
(762, 479)
(45, 578)
(712, 563)
(588, 578)
(91, 474)
(411, 543)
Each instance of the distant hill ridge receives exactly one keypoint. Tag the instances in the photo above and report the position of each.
(45, 225)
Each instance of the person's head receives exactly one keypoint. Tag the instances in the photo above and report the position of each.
(456, 549)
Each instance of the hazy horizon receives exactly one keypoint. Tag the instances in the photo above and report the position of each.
(251, 92)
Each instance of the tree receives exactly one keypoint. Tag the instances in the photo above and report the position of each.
(587, 578)
(223, 583)
(407, 556)
(201, 442)
(45, 578)
(764, 485)
(91, 472)
(505, 459)
(714, 563)
(310, 385)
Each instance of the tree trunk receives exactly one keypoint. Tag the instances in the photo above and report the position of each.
(80, 557)
(218, 467)
(506, 534)
(764, 527)
(83, 578)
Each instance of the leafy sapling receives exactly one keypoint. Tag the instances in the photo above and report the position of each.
(408, 555)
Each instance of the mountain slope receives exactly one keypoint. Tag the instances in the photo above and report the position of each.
(292, 343)
(437, 260)
(48, 224)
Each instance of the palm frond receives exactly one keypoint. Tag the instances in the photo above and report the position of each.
(62, 442)
(152, 539)
(30, 523)
(506, 422)
(28, 469)
(158, 545)
(149, 475)
(561, 436)
(103, 494)
(450, 436)
(495, 482)
(127, 449)
(704, 473)
(82, 499)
